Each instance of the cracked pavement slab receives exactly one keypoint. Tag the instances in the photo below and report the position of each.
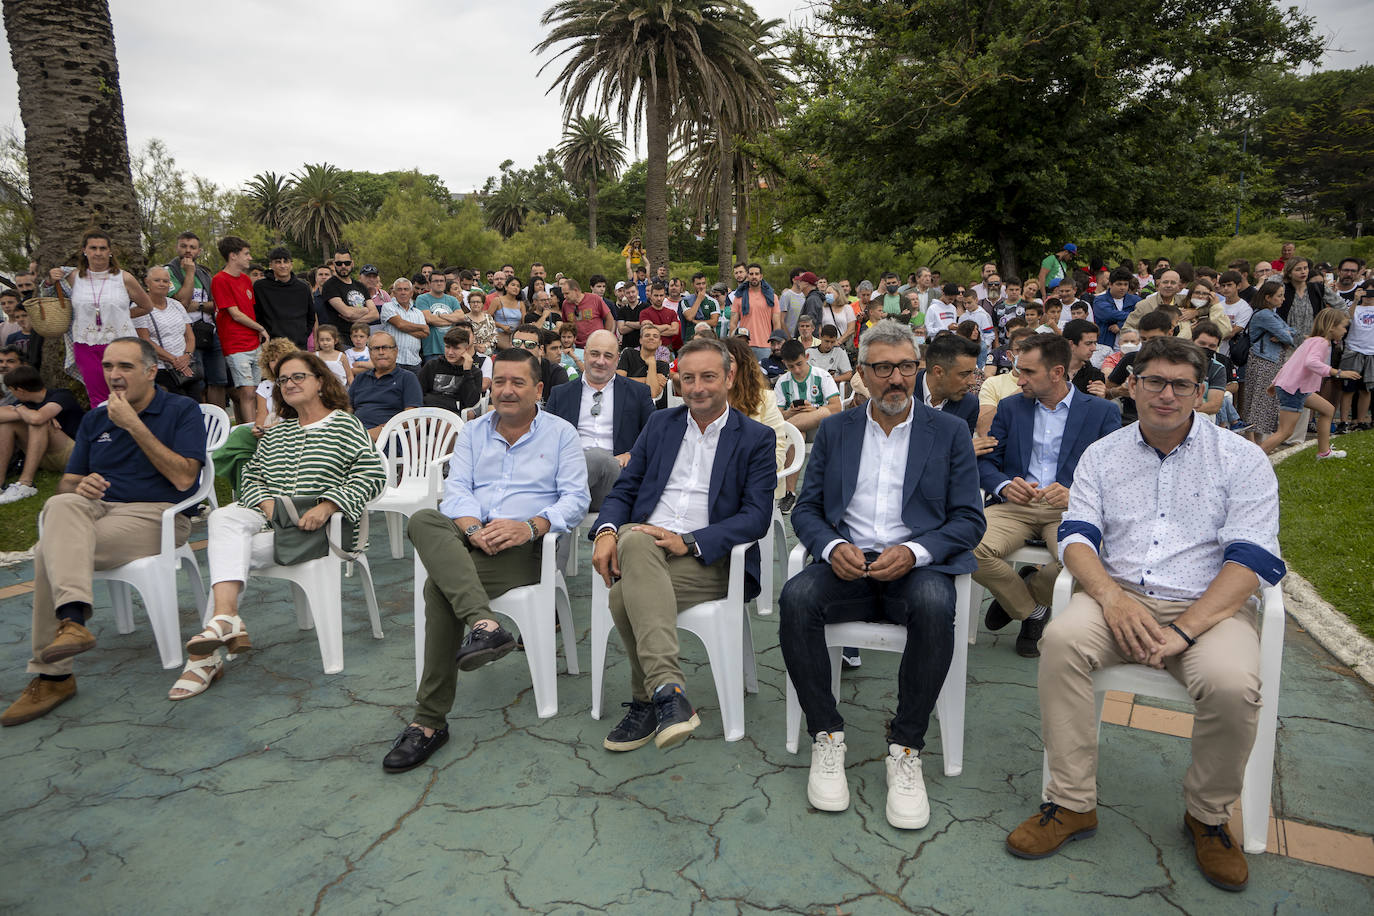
(266, 794)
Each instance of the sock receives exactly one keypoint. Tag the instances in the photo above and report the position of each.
(1039, 613)
(53, 677)
(662, 687)
(75, 611)
(901, 750)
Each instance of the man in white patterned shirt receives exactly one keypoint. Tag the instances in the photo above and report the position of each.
(1171, 526)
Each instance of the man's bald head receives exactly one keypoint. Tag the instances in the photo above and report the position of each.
(600, 357)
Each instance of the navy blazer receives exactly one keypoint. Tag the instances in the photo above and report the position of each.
(1013, 426)
(742, 480)
(630, 400)
(940, 500)
(966, 408)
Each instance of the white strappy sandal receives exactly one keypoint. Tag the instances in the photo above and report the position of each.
(223, 632)
(197, 676)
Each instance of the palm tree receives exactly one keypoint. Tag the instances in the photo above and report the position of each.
(658, 61)
(505, 208)
(268, 191)
(317, 206)
(590, 150)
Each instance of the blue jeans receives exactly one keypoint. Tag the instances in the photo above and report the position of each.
(922, 601)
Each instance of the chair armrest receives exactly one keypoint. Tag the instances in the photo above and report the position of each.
(547, 562)
(1063, 591)
(735, 593)
(437, 468)
(169, 515)
(796, 560)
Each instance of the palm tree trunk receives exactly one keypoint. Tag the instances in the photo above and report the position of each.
(591, 212)
(657, 120)
(725, 192)
(73, 114)
(742, 217)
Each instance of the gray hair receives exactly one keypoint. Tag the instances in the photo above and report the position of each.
(865, 287)
(147, 355)
(887, 332)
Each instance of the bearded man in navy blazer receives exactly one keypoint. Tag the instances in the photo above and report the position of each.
(608, 410)
(890, 508)
(699, 481)
(1040, 437)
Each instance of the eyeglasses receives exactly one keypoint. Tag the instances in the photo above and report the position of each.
(295, 378)
(908, 368)
(596, 403)
(526, 344)
(382, 347)
(1156, 383)
(343, 263)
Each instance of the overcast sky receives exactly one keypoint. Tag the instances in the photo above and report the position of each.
(267, 86)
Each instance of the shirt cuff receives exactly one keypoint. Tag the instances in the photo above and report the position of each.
(1073, 539)
(605, 527)
(922, 556)
(825, 554)
(997, 490)
(1256, 559)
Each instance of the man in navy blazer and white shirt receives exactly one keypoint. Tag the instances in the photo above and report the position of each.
(699, 481)
(951, 361)
(1040, 437)
(890, 508)
(608, 410)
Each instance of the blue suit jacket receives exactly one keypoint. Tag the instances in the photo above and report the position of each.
(940, 500)
(1106, 314)
(630, 400)
(742, 479)
(966, 408)
(1013, 426)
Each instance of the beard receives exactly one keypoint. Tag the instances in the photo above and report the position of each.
(891, 408)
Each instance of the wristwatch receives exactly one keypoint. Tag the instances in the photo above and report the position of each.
(472, 529)
(691, 544)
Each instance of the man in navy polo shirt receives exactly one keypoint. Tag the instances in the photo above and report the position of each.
(382, 392)
(134, 457)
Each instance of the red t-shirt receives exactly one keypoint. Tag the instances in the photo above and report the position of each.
(234, 292)
(589, 315)
(664, 315)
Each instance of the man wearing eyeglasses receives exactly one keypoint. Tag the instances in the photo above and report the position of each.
(346, 296)
(531, 338)
(1168, 557)
(385, 390)
(890, 511)
(1040, 438)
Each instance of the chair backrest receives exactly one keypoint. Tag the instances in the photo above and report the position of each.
(674, 399)
(414, 439)
(798, 443)
(216, 426)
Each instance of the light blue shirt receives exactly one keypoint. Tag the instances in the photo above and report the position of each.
(542, 474)
(1049, 437)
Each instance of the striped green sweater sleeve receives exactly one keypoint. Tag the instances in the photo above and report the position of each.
(336, 461)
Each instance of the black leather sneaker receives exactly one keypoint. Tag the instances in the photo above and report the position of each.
(412, 748)
(676, 718)
(634, 731)
(482, 646)
(997, 617)
(1028, 640)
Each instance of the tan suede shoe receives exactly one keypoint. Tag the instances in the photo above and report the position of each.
(1218, 854)
(38, 699)
(1042, 834)
(71, 639)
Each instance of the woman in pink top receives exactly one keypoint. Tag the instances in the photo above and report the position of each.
(1297, 383)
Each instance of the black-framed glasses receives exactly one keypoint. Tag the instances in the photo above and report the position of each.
(295, 378)
(1156, 383)
(526, 344)
(382, 347)
(596, 403)
(908, 368)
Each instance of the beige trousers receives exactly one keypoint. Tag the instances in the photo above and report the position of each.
(81, 535)
(1008, 527)
(1221, 673)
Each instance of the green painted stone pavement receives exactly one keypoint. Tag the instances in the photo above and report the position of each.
(266, 794)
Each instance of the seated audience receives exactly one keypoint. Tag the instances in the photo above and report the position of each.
(530, 337)
(380, 393)
(41, 426)
(806, 396)
(951, 361)
(644, 365)
(454, 380)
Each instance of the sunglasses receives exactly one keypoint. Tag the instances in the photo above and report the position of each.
(343, 263)
(526, 344)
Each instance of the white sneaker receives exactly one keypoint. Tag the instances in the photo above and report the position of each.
(908, 808)
(826, 787)
(1333, 453)
(17, 491)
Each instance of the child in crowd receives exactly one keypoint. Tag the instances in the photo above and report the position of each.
(1053, 310)
(1300, 379)
(327, 349)
(357, 354)
(271, 353)
(20, 338)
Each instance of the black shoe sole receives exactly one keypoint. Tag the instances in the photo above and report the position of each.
(678, 732)
(410, 766)
(1030, 651)
(1080, 835)
(476, 659)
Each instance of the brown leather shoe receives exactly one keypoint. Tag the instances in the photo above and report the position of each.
(1042, 834)
(1218, 855)
(72, 639)
(38, 699)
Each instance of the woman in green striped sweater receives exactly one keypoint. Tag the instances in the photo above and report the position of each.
(320, 455)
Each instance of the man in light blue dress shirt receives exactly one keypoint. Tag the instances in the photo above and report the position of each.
(516, 474)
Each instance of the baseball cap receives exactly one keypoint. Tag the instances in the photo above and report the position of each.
(720, 288)
(778, 335)
(1071, 247)
(370, 269)
(807, 276)
(619, 286)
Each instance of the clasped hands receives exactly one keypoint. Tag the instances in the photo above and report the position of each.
(1023, 493)
(1139, 636)
(499, 534)
(849, 563)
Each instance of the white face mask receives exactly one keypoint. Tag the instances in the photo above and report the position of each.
(1129, 347)
(1198, 302)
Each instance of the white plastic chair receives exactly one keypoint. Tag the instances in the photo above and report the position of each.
(773, 545)
(721, 625)
(1143, 680)
(155, 578)
(532, 609)
(1021, 556)
(674, 399)
(472, 413)
(318, 591)
(410, 443)
(846, 395)
(216, 434)
(889, 637)
(576, 534)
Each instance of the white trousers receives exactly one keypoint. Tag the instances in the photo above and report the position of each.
(239, 541)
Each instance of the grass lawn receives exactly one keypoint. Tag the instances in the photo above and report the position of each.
(1326, 512)
(19, 521)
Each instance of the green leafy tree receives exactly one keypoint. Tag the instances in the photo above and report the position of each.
(268, 191)
(655, 62)
(320, 202)
(411, 227)
(1017, 124)
(506, 207)
(18, 237)
(589, 152)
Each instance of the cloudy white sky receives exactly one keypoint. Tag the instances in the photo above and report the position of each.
(271, 84)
